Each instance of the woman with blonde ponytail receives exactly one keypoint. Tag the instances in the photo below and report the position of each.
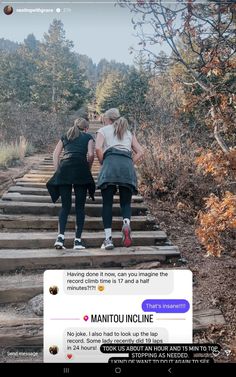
(73, 170)
(117, 150)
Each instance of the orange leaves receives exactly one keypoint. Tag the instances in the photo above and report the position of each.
(216, 71)
(220, 217)
(213, 66)
(215, 164)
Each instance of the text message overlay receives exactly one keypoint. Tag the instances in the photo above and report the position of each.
(84, 309)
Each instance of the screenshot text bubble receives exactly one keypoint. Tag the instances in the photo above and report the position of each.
(87, 308)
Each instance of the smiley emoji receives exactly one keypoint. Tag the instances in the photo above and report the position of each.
(100, 287)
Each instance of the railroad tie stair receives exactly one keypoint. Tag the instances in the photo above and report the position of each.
(28, 226)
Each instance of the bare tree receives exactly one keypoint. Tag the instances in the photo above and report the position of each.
(201, 37)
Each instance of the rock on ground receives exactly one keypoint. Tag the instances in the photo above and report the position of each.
(36, 305)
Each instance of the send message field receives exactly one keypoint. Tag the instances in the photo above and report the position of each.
(84, 309)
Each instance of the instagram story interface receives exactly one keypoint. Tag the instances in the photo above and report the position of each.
(117, 183)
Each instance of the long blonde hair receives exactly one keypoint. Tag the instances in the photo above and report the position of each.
(80, 124)
(120, 124)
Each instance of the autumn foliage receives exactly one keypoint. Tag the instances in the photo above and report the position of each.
(218, 218)
(200, 109)
(216, 163)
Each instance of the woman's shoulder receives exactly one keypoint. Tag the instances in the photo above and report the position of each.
(88, 136)
(129, 134)
(105, 129)
(64, 138)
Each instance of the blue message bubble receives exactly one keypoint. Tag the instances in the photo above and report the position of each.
(166, 306)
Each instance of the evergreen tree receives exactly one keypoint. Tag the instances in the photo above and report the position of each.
(31, 43)
(8, 46)
(133, 95)
(105, 67)
(14, 78)
(89, 68)
(125, 92)
(59, 85)
(108, 92)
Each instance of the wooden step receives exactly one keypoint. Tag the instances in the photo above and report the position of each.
(16, 222)
(38, 191)
(44, 162)
(18, 330)
(49, 170)
(40, 177)
(44, 174)
(50, 166)
(18, 288)
(40, 259)
(17, 197)
(95, 161)
(21, 331)
(50, 162)
(49, 173)
(39, 174)
(43, 240)
(30, 184)
(45, 166)
(32, 180)
(9, 207)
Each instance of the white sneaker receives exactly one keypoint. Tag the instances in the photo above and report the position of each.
(59, 244)
(108, 244)
(78, 245)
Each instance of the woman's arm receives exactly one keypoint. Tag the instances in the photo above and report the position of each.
(56, 154)
(90, 153)
(137, 149)
(99, 145)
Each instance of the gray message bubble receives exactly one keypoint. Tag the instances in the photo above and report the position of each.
(118, 282)
(84, 344)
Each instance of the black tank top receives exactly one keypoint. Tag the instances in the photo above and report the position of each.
(77, 146)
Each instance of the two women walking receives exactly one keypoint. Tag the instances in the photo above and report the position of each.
(117, 151)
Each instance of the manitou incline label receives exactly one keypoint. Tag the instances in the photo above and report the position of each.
(132, 318)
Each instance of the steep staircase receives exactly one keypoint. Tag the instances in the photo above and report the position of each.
(28, 226)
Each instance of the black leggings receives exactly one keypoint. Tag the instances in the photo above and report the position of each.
(66, 200)
(125, 204)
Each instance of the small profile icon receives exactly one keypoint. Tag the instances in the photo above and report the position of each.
(8, 10)
(53, 290)
(53, 350)
(100, 287)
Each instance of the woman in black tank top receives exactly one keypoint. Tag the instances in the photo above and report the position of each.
(73, 170)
